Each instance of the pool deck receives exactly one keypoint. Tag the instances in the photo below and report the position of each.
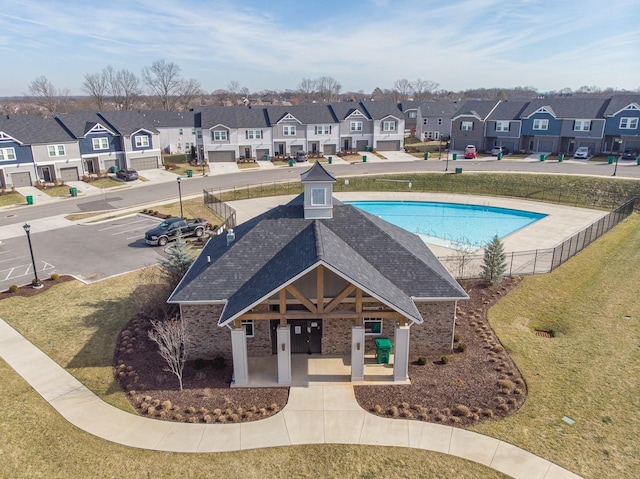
(561, 221)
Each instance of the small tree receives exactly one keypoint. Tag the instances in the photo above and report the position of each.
(177, 262)
(171, 337)
(495, 263)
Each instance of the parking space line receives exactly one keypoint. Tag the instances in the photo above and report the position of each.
(125, 231)
(144, 220)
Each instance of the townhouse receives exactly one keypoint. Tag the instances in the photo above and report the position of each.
(176, 130)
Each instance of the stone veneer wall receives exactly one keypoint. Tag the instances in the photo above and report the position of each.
(435, 335)
(206, 340)
(336, 336)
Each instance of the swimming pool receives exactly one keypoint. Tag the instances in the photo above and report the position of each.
(453, 225)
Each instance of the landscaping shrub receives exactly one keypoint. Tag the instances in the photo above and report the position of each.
(13, 288)
(198, 363)
(218, 362)
(462, 347)
(462, 410)
(422, 360)
(55, 277)
(444, 360)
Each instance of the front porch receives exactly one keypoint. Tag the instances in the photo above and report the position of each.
(319, 370)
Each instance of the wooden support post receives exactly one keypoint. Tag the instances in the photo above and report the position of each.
(320, 288)
(359, 320)
(283, 307)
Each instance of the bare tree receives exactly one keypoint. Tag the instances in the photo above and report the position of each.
(95, 85)
(171, 337)
(47, 96)
(163, 80)
(307, 89)
(328, 88)
(403, 87)
(423, 89)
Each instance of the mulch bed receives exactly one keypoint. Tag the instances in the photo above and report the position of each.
(28, 290)
(473, 386)
(476, 385)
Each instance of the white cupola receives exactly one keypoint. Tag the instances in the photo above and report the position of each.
(318, 193)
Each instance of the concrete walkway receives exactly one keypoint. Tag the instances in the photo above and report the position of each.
(313, 415)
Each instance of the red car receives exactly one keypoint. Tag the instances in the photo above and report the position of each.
(470, 152)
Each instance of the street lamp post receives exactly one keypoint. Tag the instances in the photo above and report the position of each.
(180, 195)
(36, 282)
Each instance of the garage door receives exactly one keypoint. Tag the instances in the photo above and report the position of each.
(146, 163)
(21, 179)
(69, 174)
(361, 145)
(329, 149)
(220, 156)
(388, 145)
(262, 154)
(545, 145)
(109, 163)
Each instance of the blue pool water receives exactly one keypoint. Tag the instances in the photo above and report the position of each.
(450, 224)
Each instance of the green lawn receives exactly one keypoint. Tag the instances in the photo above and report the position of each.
(106, 183)
(12, 198)
(57, 191)
(589, 372)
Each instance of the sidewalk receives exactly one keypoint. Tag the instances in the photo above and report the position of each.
(313, 415)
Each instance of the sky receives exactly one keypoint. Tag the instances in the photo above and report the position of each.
(363, 44)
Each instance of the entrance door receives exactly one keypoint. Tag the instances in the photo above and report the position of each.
(247, 152)
(347, 144)
(306, 336)
(45, 172)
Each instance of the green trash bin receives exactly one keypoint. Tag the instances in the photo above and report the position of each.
(290, 162)
(367, 148)
(364, 158)
(561, 157)
(610, 159)
(189, 173)
(426, 155)
(383, 350)
(29, 200)
(73, 191)
(266, 157)
(330, 160)
(543, 157)
(499, 155)
(113, 169)
(638, 161)
(458, 171)
(455, 156)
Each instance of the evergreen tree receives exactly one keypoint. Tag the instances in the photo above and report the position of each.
(495, 263)
(177, 263)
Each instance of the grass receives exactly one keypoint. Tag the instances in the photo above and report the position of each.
(106, 183)
(589, 371)
(588, 192)
(193, 208)
(57, 191)
(12, 198)
(181, 169)
(248, 166)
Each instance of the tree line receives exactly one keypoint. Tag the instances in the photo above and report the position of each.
(162, 86)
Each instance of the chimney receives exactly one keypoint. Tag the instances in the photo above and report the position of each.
(231, 236)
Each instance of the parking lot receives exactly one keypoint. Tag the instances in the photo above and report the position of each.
(89, 252)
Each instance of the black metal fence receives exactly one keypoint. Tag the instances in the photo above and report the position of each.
(465, 265)
(219, 207)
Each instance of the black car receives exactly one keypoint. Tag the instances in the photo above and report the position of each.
(630, 154)
(127, 174)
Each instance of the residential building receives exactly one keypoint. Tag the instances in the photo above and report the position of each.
(622, 115)
(177, 133)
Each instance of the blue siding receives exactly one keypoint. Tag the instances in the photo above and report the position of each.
(86, 144)
(141, 148)
(554, 128)
(612, 126)
(23, 153)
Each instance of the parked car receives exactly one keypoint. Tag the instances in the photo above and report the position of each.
(500, 149)
(630, 154)
(301, 156)
(171, 228)
(127, 174)
(583, 152)
(470, 152)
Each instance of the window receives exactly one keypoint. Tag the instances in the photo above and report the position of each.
(502, 126)
(289, 130)
(539, 124)
(56, 150)
(412, 114)
(439, 121)
(466, 125)
(318, 196)
(199, 133)
(179, 131)
(356, 126)
(254, 134)
(219, 135)
(373, 327)
(179, 146)
(628, 123)
(142, 141)
(323, 130)
(425, 121)
(7, 154)
(100, 143)
(248, 328)
(193, 131)
(582, 125)
(388, 126)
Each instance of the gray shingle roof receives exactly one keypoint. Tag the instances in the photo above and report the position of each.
(31, 129)
(308, 113)
(479, 108)
(317, 173)
(618, 102)
(272, 249)
(343, 109)
(128, 122)
(509, 110)
(169, 119)
(81, 122)
(381, 109)
(569, 107)
(438, 108)
(231, 117)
